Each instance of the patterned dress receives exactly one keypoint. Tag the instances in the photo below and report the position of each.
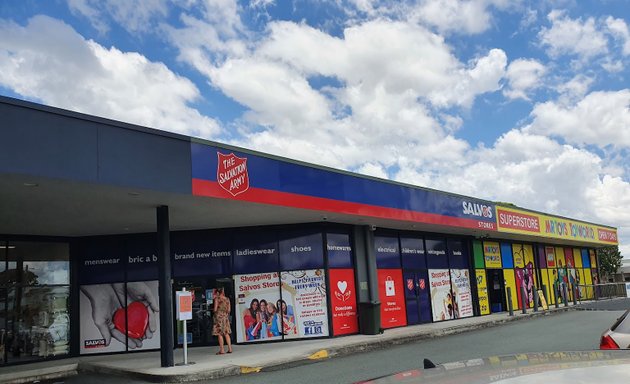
(221, 317)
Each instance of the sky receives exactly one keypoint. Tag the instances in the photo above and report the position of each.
(507, 100)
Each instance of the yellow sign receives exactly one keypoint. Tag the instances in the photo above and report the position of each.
(482, 291)
(492, 254)
(530, 223)
(543, 301)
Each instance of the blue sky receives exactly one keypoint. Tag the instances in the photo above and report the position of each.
(519, 101)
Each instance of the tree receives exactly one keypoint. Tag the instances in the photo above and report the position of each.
(609, 260)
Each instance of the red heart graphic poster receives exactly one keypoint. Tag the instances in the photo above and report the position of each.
(343, 300)
(133, 309)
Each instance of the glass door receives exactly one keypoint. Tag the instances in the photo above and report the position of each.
(200, 327)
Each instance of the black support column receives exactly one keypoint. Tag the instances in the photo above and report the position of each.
(370, 258)
(166, 290)
(365, 262)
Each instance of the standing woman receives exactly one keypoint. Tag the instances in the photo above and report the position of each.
(221, 327)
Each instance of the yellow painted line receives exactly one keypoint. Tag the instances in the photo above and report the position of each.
(322, 354)
(245, 369)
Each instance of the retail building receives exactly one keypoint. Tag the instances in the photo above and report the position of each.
(97, 216)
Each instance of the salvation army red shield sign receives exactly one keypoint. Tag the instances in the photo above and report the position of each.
(232, 173)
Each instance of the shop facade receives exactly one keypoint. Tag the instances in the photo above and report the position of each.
(300, 249)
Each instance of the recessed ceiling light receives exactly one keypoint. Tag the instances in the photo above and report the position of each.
(5, 247)
(133, 194)
(31, 185)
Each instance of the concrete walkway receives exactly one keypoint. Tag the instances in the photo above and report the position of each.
(249, 358)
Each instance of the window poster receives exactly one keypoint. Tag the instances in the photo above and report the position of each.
(492, 254)
(525, 279)
(551, 258)
(461, 294)
(115, 316)
(482, 292)
(343, 302)
(303, 308)
(441, 294)
(257, 300)
(392, 295)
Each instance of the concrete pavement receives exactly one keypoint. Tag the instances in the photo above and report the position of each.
(250, 358)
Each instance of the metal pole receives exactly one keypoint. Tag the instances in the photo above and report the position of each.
(555, 295)
(185, 341)
(595, 292)
(165, 290)
(524, 299)
(535, 300)
(509, 301)
(565, 294)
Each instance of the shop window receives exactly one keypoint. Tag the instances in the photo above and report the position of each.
(413, 254)
(257, 252)
(542, 259)
(34, 291)
(492, 254)
(101, 260)
(478, 253)
(118, 287)
(506, 255)
(301, 250)
(550, 254)
(436, 254)
(586, 262)
(339, 250)
(457, 254)
(201, 253)
(142, 257)
(387, 252)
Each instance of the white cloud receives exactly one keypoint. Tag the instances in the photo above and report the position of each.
(568, 36)
(275, 94)
(483, 75)
(372, 169)
(619, 29)
(523, 75)
(574, 89)
(530, 17)
(86, 9)
(48, 61)
(458, 16)
(218, 35)
(133, 15)
(386, 82)
(600, 118)
(396, 56)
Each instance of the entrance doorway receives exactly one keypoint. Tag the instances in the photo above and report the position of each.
(416, 284)
(496, 290)
(200, 326)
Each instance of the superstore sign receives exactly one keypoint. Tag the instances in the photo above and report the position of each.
(517, 221)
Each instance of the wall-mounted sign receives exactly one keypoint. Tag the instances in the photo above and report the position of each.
(530, 223)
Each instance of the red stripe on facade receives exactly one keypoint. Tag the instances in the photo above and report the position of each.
(264, 196)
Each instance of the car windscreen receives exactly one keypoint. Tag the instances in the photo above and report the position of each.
(622, 324)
